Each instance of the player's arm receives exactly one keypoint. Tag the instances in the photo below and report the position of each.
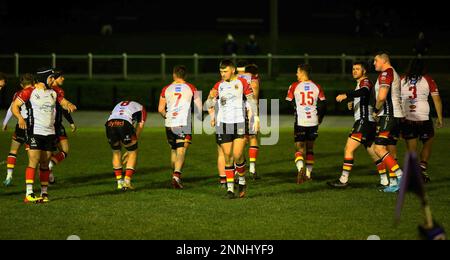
(255, 87)
(253, 103)
(69, 119)
(382, 97)
(321, 109)
(212, 115)
(67, 105)
(198, 106)
(438, 106)
(8, 116)
(212, 99)
(162, 107)
(362, 92)
(139, 128)
(15, 108)
(140, 118)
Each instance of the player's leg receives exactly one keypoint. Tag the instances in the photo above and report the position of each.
(350, 148)
(425, 155)
(132, 150)
(179, 163)
(33, 162)
(173, 158)
(61, 155)
(311, 135)
(386, 137)
(117, 164)
(300, 148)
(44, 174)
(381, 167)
(227, 149)
(253, 153)
(221, 166)
(11, 161)
(240, 162)
(427, 137)
(310, 160)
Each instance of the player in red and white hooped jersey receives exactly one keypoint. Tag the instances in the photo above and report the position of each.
(388, 113)
(310, 108)
(123, 128)
(416, 89)
(19, 136)
(231, 93)
(175, 107)
(40, 101)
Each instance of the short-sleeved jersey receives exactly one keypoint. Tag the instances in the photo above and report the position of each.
(179, 98)
(40, 105)
(306, 94)
(232, 95)
(58, 108)
(393, 104)
(23, 108)
(415, 94)
(129, 111)
(361, 105)
(247, 77)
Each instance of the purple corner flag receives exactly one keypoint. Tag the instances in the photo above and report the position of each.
(411, 181)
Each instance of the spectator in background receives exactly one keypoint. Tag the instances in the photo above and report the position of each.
(358, 22)
(230, 46)
(252, 46)
(422, 45)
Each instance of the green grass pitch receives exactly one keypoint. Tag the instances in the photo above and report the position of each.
(84, 202)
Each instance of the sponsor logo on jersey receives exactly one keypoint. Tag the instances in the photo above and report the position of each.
(307, 88)
(178, 89)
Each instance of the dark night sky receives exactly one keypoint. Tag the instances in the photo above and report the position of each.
(69, 26)
(143, 16)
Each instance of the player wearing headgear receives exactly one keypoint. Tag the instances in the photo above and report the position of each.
(40, 101)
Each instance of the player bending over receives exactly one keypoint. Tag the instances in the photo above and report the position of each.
(124, 128)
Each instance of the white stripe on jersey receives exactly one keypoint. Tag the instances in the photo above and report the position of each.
(306, 95)
(178, 103)
(125, 111)
(231, 101)
(415, 94)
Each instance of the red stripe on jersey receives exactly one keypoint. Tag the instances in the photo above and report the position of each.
(144, 115)
(386, 77)
(431, 85)
(163, 92)
(25, 95)
(290, 95)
